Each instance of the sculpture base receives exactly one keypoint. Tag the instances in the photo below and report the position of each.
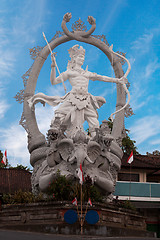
(49, 218)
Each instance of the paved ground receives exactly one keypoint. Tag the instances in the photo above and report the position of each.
(17, 235)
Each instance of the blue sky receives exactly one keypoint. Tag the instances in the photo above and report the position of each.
(132, 26)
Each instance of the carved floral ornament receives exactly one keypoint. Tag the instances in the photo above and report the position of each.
(79, 26)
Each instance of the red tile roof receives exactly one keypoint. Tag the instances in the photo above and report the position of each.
(12, 180)
(142, 161)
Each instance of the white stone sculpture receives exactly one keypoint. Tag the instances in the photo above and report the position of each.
(67, 145)
(78, 105)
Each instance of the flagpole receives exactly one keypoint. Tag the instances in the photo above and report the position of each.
(81, 177)
(5, 162)
(85, 213)
(81, 213)
(78, 211)
(81, 216)
(130, 184)
(130, 160)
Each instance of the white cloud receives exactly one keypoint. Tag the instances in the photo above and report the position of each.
(137, 92)
(58, 90)
(22, 30)
(132, 60)
(28, 21)
(3, 33)
(142, 44)
(108, 90)
(151, 68)
(111, 15)
(89, 59)
(155, 142)
(3, 108)
(143, 69)
(139, 99)
(44, 115)
(14, 139)
(7, 59)
(145, 128)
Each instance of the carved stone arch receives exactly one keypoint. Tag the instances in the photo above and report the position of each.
(36, 138)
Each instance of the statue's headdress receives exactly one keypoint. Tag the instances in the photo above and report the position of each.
(73, 52)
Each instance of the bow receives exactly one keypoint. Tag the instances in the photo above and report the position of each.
(124, 85)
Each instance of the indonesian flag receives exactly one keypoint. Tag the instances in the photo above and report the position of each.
(89, 202)
(74, 202)
(4, 159)
(130, 159)
(80, 174)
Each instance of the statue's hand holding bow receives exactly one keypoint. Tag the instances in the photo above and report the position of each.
(53, 64)
(123, 80)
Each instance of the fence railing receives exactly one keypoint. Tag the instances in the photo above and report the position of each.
(137, 189)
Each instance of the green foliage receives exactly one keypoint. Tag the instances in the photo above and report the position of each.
(90, 191)
(127, 205)
(2, 165)
(154, 153)
(110, 123)
(60, 188)
(64, 189)
(87, 192)
(128, 145)
(19, 166)
(124, 204)
(88, 132)
(21, 197)
(1, 156)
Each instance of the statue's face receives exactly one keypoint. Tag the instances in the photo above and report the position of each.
(79, 59)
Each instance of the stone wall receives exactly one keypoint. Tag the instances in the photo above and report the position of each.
(49, 218)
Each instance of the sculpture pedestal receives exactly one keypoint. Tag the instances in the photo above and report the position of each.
(49, 218)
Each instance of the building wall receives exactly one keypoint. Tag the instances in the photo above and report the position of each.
(141, 175)
(12, 180)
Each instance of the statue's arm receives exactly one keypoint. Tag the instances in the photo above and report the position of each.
(55, 80)
(95, 76)
(61, 78)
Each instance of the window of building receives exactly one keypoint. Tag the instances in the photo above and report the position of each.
(133, 177)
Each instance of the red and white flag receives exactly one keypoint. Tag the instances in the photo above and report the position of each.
(80, 174)
(74, 202)
(89, 202)
(130, 159)
(4, 159)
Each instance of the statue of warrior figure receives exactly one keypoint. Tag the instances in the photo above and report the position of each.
(78, 105)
